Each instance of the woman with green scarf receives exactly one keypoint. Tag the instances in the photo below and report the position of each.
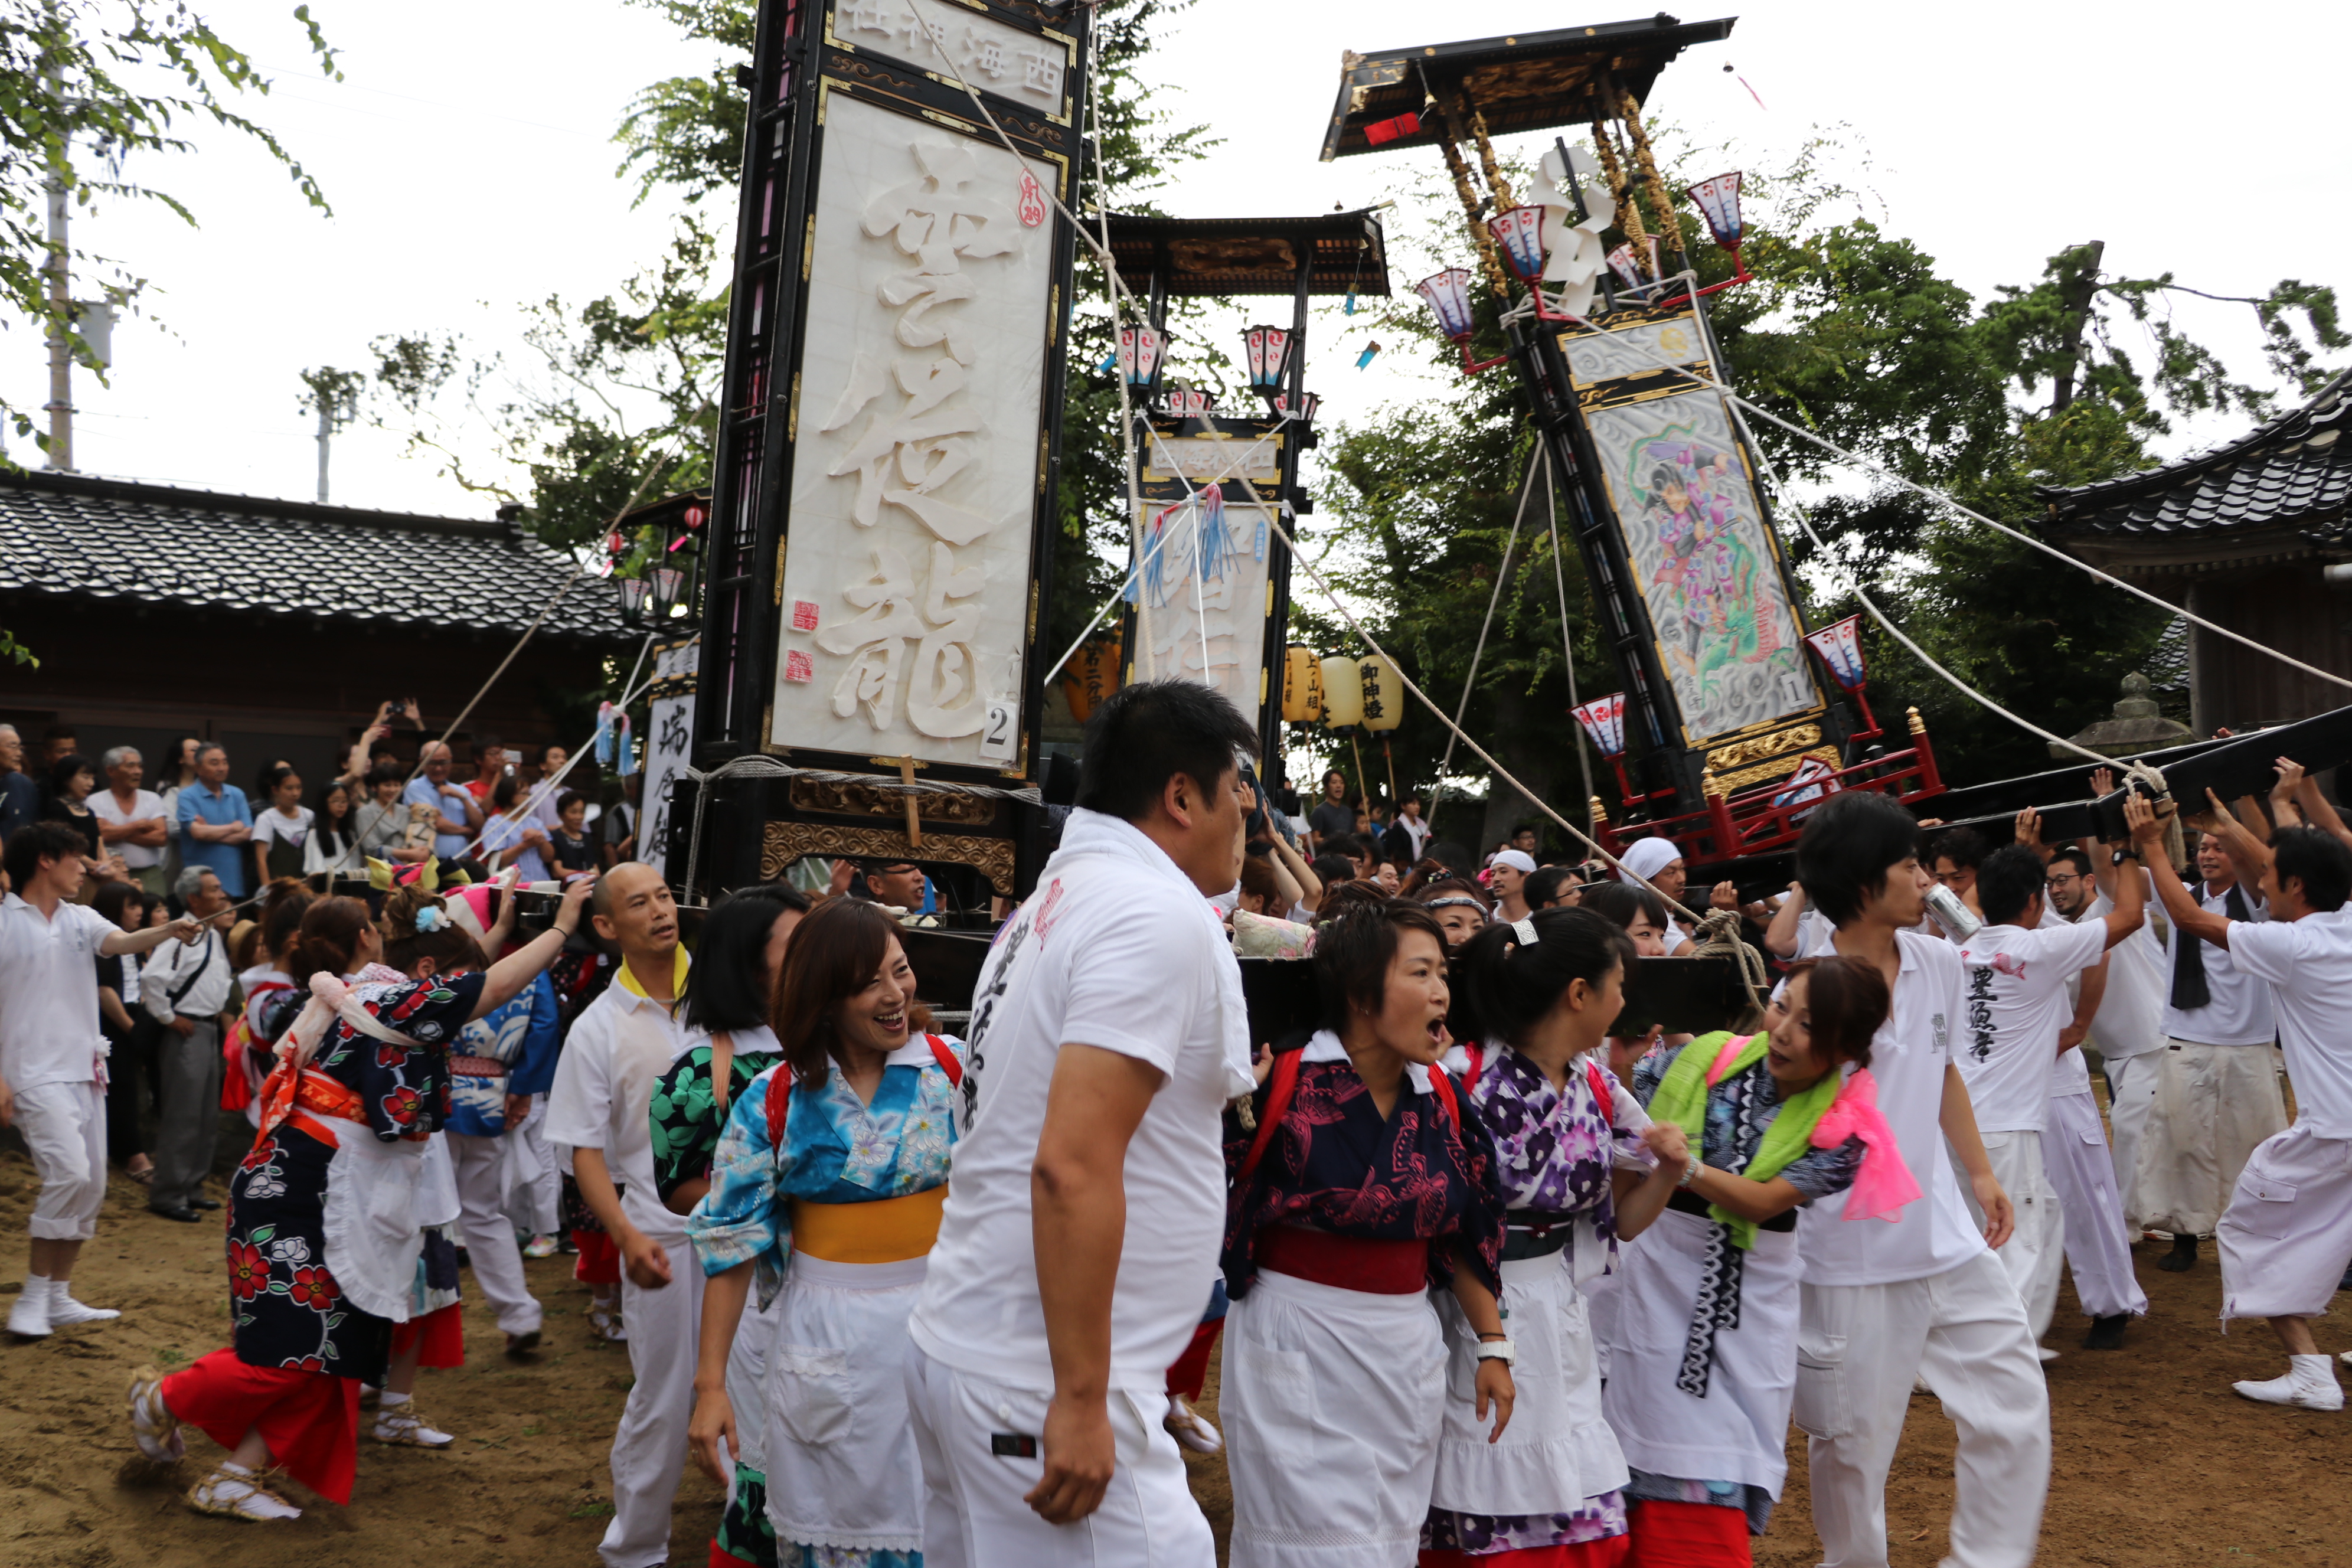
(1704, 1362)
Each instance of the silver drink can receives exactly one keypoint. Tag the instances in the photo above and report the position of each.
(1944, 907)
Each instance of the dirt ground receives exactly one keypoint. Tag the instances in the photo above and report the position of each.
(2158, 1462)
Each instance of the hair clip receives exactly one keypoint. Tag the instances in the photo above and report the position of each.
(432, 918)
(1526, 931)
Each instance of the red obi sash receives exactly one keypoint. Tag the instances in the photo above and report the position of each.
(1345, 1262)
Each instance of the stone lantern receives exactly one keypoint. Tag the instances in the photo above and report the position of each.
(2136, 727)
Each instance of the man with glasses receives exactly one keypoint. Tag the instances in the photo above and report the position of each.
(2110, 995)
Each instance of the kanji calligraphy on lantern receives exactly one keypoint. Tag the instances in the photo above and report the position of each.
(948, 41)
(915, 479)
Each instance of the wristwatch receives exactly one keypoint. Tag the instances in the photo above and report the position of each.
(1503, 1351)
(2127, 853)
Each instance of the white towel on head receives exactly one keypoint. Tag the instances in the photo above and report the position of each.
(1646, 857)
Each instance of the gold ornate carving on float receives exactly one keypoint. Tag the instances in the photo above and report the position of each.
(1740, 754)
(785, 842)
(865, 800)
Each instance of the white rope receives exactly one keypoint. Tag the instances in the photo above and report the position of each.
(630, 692)
(1567, 643)
(1940, 499)
(1781, 493)
(1518, 516)
(1500, 771)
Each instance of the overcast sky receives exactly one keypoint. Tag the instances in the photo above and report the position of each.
(467, 157)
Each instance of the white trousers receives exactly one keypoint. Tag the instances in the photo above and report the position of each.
(2075, 1157)
(64, 1126)
(488, 1236)
(649, 1445)
(2213, 1105)
(2131, 1100)
(972, 1513)
(546, 1189)
(2286, 1236)
(2032, 1256)
(1858, 1349)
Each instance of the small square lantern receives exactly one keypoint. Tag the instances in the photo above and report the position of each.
(669, 591)
(1623, 262)
(1448, 293)
(1518, 236)
(1718, 199)
(633, 600)
(1268, 357)
(1141, 351)
(1187, 401)
(1304, 408)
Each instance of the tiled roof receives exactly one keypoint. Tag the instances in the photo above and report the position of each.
(2292, 471)
(108, 540)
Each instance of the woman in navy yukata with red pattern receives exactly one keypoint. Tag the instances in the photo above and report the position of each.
(362, 1078)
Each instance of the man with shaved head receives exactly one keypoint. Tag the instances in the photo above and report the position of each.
(599, 1112)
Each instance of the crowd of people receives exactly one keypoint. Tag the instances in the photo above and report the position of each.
(1502, 1270)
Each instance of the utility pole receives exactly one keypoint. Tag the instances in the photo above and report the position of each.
(334, 396)
(2076, 295)
(60, 404)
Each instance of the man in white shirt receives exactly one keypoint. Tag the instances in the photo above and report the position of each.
(52, 1058)
(1881, 1304)
(2127, 1030)
(1080, 1239)
(2216, 1088)
(2286, 1236)
(2073, 1143)
(599, 1111)
(131, 820)
(2017, 967)
(186, 989)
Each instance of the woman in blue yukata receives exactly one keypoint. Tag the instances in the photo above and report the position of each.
(738, 964)
(829, 1184)
(1541, 994)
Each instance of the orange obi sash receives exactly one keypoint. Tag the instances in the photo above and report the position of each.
(303, 1098)
(887, 1230)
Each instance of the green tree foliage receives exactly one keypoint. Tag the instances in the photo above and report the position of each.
(1855, 333)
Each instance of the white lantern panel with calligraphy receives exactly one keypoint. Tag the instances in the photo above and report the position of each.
(915, 474)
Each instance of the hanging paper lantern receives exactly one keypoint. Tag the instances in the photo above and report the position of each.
(1841, 649)
(1302, 685)
(1091, 676)
(1268, 356)
(1383, 693)
(1343, 692)
(1626, 265)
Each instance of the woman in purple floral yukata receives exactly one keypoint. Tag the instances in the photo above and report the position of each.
(1542, 992)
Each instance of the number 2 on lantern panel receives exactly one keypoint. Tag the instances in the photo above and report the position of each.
(1000, 737)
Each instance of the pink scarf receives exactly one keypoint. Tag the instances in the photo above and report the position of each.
(1882, 1183)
